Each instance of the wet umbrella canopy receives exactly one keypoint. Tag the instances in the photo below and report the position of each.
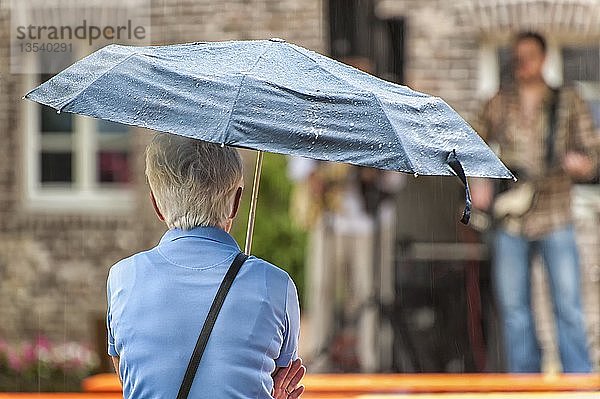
(273, 96)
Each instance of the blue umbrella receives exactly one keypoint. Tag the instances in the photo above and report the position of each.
(270, 95)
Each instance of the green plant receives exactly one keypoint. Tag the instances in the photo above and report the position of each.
(276, 239)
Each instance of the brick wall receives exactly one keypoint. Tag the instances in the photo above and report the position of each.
(442, 52)
(53, 266)
(300, 22)
(7, 172)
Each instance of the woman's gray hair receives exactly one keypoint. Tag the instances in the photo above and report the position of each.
(193, 181)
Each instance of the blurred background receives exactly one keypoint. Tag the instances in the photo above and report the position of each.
(404, 288)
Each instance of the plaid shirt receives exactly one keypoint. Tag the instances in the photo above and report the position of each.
(521, 142)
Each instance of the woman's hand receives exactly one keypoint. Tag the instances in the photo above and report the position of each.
(286, 380)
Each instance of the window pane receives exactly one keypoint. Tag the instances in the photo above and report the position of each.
(56, 167)
(581, 63)
(54, 61)
(113, 152)
(505, 63)
(55, 123)
(113, 167)
(103, 126)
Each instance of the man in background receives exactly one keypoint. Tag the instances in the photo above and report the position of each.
(546, 137)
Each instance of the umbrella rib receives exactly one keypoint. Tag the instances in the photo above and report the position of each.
(410, 163)
(237, 95)
(324, 69)
(95, 80)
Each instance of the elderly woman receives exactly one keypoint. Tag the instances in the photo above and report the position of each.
(159, 299)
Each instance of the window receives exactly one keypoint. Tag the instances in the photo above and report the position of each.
(495, 67)
(580, 65)
(389, 54)
(580, 68)
(74, 162)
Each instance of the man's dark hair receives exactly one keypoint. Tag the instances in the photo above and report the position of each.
(532, 36)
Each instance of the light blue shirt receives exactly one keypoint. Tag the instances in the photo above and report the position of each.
(158, 301)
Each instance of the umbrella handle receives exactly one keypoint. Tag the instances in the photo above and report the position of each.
(456, 166)
(253, 202)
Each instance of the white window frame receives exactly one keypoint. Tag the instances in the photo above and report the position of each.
(85, 194)
(488, 69)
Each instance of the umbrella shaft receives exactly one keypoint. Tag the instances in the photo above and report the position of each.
(253, 201)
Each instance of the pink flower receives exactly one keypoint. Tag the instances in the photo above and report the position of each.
(43, 349)
(29, 354)
(14, 360)
(43, 343)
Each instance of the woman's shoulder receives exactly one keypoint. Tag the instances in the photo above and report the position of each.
(276, 282)
(126, 272)
(270, 271)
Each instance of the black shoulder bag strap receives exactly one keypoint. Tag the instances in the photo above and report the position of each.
(209, 323)
(552, 125)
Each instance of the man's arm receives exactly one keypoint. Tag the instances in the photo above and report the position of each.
(115, 362)
(581, 162)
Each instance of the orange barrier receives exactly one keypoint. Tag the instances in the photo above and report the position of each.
(425, 383)
(59, 395)
(343, 385)
(501, 395)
